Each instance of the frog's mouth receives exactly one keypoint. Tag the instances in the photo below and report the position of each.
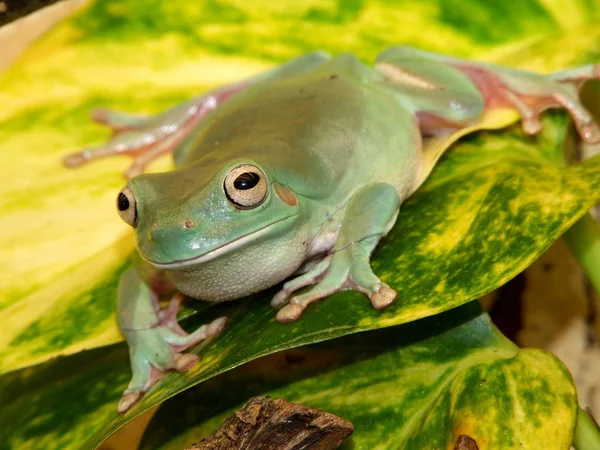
(219, 251)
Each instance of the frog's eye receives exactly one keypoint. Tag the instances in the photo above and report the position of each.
(127, 207)
(245, 186)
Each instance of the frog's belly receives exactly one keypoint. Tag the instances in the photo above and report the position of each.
(243, 271)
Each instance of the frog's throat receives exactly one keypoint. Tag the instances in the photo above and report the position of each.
(212, 254)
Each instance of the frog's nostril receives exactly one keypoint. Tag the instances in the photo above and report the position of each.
(188, 224)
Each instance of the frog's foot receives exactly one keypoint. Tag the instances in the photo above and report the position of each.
(348, 269)
(182, 363)
(531, 94)
(369, 215)
(156, 349)
(306, 279)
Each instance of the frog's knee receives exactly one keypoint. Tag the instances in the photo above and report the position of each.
(464, 109)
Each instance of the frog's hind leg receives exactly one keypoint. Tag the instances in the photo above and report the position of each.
(145, 138)
(443, 98)
(500, 87)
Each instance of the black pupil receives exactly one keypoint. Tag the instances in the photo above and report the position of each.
(122, 202)
(245, 181)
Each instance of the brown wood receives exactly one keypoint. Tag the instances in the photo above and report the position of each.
(14, 9)
(465, 442)
(265, 424)
(16, 36)
(589, 411)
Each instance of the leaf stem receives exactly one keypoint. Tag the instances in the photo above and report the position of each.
(583, 239)
(587, 433)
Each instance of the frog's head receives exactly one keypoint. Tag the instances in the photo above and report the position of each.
(206, 211)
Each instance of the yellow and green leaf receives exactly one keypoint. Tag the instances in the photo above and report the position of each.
(62, 243)
(491, 206)
(418, 386)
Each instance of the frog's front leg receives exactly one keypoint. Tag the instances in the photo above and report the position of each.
(154, 337)
(449, 91)
(369, 215)
(145, 138)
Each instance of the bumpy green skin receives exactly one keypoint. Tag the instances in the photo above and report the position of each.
(339, 144)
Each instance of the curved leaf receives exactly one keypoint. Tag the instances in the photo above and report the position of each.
(57, 223)
(508, 204)
(491, 207)
(58, 404)
(418, 386)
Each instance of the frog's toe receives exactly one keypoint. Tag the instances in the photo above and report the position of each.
(555, 95)
(578, 74)
(216, 326)
(383, 297)
(82, 157)
(279, 299)
(168, 315)
(75, 159)
(589, 132)
(311, 277)
(178, 340)
(567, 96)
(133, 171)
(185, 361)
(558, 90)
(336, 281)
(290, 313)
(118, 121)
(128, 400)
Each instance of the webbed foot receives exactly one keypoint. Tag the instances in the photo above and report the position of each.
(531, 94)
(371, 212)
(348, 270)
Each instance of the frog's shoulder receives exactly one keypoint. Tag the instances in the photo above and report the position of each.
(237, 93)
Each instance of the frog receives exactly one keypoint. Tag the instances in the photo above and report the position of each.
(292, 177)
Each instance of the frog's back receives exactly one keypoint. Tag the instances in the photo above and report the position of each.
(326, 131)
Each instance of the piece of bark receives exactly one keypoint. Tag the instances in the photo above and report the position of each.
(465, 442)
(15, 9)
(265, 424)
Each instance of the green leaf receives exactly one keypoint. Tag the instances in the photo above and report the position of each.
(471, 245)
(61, 240)
(489, 209)
(418, 386)
(58, 404)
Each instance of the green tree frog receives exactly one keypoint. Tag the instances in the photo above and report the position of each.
(294, 175)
